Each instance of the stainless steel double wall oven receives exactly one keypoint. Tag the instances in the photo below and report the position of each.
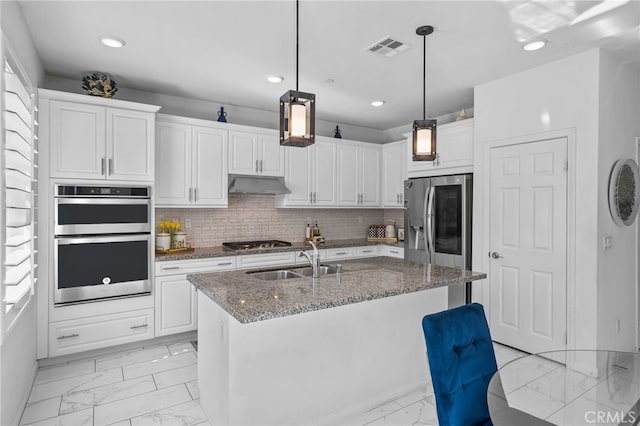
(102, 244)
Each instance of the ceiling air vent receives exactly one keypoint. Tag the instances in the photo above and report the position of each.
(387, 47)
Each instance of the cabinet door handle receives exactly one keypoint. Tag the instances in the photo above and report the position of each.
(133, 327)
(68, 336)
(190, 193)
(256, 166)
(315, 197)
(167, 268)
(366, 251)
(224, 264)
(341, 253)
(102, 162)
(394, 251)
(195, 194)
(260, 166)
(110, 166)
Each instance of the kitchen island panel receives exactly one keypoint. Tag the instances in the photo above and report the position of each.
(315, 366)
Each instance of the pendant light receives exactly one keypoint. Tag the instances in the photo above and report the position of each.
(297, 111)
(424, 131)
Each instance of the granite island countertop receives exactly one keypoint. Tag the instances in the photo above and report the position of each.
(218, 251)
(249, 299)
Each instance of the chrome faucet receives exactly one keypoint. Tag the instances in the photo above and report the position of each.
(315, 261)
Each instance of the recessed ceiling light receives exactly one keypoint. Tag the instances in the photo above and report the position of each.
(378, 103)
(112, 41)
(275, 78)
(534, 45)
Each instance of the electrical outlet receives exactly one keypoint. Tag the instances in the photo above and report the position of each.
(359, 219)
(308, 219)
(617, 326)
(187, 223)
(607, 242)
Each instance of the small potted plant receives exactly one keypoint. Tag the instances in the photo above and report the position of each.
(165, 239)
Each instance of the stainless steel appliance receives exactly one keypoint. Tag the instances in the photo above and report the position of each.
(102, 244)
(437, 222)
(259, 244)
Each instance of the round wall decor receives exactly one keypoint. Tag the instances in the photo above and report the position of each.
(624, 192)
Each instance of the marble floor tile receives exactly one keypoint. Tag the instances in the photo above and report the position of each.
(194, 390)
(121, 359)
(419, 413)
(79, 418)
(415, 396)
(122, 423)
(105, 394)
(177, 375)
(157, 365)
(66, 370)
(373, 414)
(181, 347)
(516, 378)
(534, 403)
(563, 384)
(74, 384)
(583, 411)
(615, 392)
(138, 405)
(505, 354)
(189, 413)
(40, 410)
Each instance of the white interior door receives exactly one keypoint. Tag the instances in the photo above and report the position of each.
(528, 228)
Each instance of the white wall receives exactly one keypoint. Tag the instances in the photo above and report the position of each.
(593, 97)
(619, 103)
(18, 350)
(557, 96)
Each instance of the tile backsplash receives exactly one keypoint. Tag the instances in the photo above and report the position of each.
(254, 217)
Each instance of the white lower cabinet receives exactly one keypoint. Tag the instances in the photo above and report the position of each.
(392, 251)
(83, 334)
(177, 303)
(175, 297)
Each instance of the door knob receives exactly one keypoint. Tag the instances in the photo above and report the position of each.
(495, 255)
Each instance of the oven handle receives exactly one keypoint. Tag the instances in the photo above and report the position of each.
(102, 201)
(63, 241)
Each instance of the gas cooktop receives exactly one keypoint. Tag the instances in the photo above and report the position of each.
(248, 245)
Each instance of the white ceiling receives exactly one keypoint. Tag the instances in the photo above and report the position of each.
(221, 51)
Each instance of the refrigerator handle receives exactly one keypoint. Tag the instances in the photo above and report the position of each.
(429, 245)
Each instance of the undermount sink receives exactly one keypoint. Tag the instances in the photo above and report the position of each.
(299, 272)
(274, 275)
(322, 270)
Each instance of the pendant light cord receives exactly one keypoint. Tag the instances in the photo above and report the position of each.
(297, 37)
(424, 77)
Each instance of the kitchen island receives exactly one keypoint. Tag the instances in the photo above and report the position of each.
(295, 351)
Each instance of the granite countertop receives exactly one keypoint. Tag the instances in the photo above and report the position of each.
(249, 299)
(206, 252)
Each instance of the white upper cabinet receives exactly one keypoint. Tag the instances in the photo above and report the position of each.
(358, 176)
(255, 153)
(191, 163)
(394, 172)
(310, 174)
(454, 151)
(96, 138)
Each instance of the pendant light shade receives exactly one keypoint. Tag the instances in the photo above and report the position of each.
(424, 131)
(297, 111)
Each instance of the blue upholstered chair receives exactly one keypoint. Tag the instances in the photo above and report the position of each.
(462, 362)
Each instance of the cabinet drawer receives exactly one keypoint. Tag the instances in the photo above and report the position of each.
(338, 253)
(212, 264)
(366, 251)
(397, 252)
(66, 337)
(267, 259)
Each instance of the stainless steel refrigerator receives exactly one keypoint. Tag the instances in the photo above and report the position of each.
(437, 223)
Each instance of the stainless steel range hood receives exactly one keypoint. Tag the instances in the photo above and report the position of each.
(242, 184)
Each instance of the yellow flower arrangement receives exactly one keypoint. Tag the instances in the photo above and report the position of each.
(170, 227)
